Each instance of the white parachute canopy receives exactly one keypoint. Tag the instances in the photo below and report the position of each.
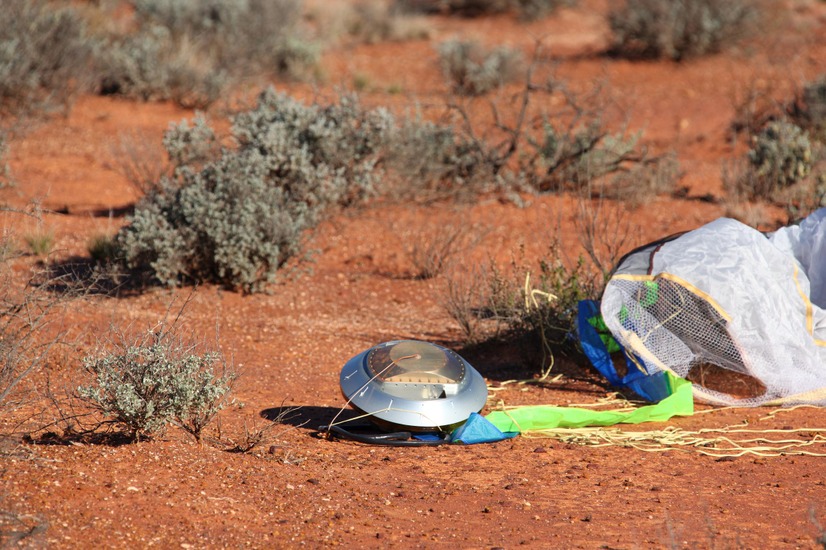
(738, 312)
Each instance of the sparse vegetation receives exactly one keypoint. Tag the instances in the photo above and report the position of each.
(45, 55)
(231, 207)
(145, 383)
(24, 314)
(809, 108)
(190, 51)
(573, 158)
(104, 249)
(40, 243)
(473, 70)
(533, 307)
(142, 162)
(236, 215)
(652, 29)
(432, 249)
(436, 159)
(567, 150)
(372, 21)
(781, 157)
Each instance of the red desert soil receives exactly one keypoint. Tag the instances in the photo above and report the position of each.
(302, 490)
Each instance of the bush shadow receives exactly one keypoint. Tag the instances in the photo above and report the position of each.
(79, 276)
(309, 417)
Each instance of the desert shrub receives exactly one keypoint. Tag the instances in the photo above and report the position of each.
(144, 384)
(190, 50)
(40, 242)
(533, 307)
(24, 314)
(103, 249)
(140, 157)
(372, 21)
(568, 149)
(44, 54)
(236, 217)
(809, 108)
(434, 247)
(583, 153)
(781, 155)
(679, 29)
(473, 70)
(536, 9)
(149, 66)
(246, 36)
(432, 158)
(586, 155)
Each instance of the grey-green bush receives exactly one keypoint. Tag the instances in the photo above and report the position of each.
(588, 156)
(809, 108)
(473, 70)
(151, 67)
(535, 9)
(237, 217)
(241, 36)
(781, 155)
(155, 380)
(681, 29)
(45, 55)
(430, 157)
(372, 21)
(191, 50)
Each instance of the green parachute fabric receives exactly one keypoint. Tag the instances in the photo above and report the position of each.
(545, 417)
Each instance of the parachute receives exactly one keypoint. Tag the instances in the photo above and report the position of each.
(739, 313)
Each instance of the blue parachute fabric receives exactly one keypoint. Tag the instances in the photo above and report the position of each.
(479, 429)
(598, 344)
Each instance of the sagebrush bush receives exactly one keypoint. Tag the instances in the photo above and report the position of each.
(434, 158)
(536, 9)
(587, 155)
(150, 66)
(191, 50)
(45, 54)
(145, 384)
(241, 36)
(236, 215)
(781, 155)
(471, 69)
(679, 29)
(809, 108)
(372, 21)
(584, 153)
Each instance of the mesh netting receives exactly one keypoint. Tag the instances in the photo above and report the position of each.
(729, 309)
(684, 334)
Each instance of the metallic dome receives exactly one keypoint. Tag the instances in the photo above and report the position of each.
(413, 385)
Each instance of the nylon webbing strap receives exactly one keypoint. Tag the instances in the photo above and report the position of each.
(545, 417)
